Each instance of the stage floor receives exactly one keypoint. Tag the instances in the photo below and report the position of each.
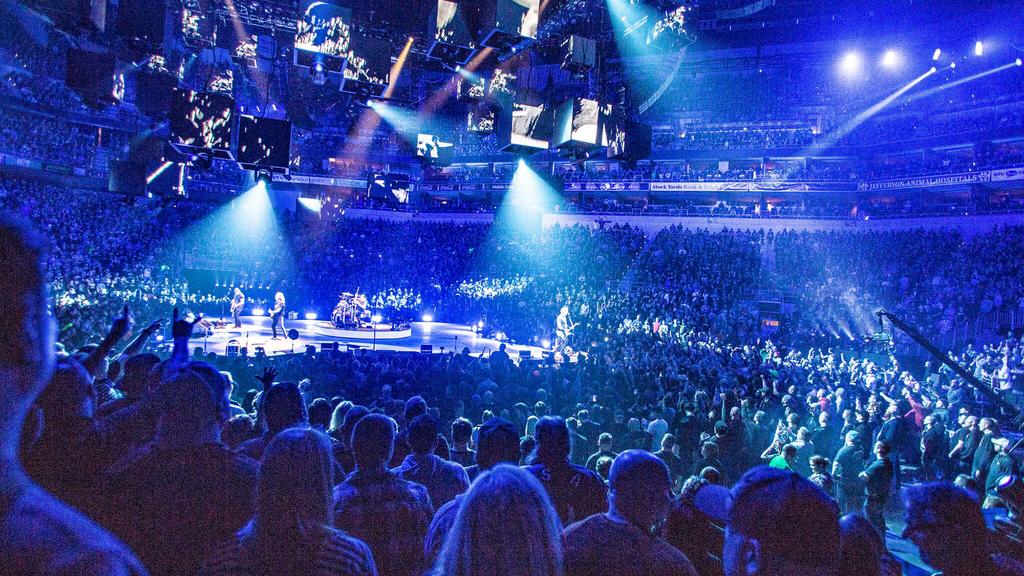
(255, 331)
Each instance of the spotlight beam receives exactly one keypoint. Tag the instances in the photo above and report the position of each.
(955, 83)
(441, 96)
(853, 123)
(369, 120)
(396, 68)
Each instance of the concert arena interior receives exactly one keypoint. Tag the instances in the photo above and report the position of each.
(512, 287)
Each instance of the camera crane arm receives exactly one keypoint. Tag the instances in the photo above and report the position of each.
(944, 358)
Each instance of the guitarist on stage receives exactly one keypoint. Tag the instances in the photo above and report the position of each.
(563, 328)
(277, 314)
(237, 303)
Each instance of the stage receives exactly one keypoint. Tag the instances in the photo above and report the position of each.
(255, 332)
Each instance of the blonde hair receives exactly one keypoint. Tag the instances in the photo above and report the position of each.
(506, 525)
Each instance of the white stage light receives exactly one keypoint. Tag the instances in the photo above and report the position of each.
(257, 312)
(376, 319)
(480, 324)
(310, 315)
(979, 48)
(891, 59)
(545, 343)
(428, 317)
(937, 54)
(851, 63)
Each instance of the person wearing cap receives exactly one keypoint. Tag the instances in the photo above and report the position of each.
(1002, 465)
(695, 521)
(623, 540)
(948, 528)
(780, 523)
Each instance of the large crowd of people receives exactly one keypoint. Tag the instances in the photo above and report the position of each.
(468, 464)
(710, 401)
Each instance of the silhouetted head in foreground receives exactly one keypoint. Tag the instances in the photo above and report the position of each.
(780, 523)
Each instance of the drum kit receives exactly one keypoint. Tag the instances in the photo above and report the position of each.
(352, 310)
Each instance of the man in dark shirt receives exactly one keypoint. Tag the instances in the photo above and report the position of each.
(590, 430)
(39, 535)
(604, 450)
(984, 453)
(824, 437)
(623, 540)
(183, 494)
(846, 472)
(892, 432)
(877, 486)
(674, 463)
(443, 479)
(934, 450)
(1002, 465)
(963, 444)
(373, 504)
(575, 491)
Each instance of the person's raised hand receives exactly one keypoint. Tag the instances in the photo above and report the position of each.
(154, 326)
(267, 378)
(122, 324)
(182, 328)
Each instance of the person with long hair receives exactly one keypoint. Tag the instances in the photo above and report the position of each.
(506, 525)
(277, 314)
(292, 530)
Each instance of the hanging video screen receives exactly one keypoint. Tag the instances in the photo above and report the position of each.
(502, 84)
(264, 142)
(221, 82)
(480, 119)
(434, 150)
(472, 88)
(527, 126)
(94, 75)
(369, 61)
(201, 120)
(450, 25)
(324, 28)
(197, 24)
(521, 16)
(239, 41)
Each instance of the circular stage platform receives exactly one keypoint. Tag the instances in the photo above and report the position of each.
(419, 336)
(381, 331)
